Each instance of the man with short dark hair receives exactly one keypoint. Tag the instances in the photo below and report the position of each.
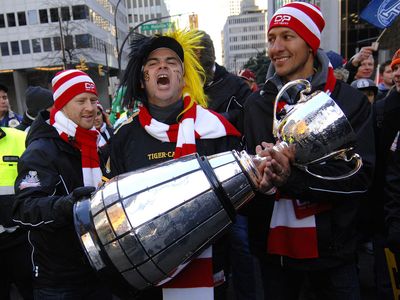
(386, 73)
(311, 234)
(8, 118)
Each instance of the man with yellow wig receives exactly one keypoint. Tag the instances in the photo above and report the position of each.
(164, 74)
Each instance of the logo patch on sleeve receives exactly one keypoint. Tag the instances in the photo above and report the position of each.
(30, 180)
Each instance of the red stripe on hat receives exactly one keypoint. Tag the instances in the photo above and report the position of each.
(302, 30)
(64, 78)
(293, 242)
(71, 92)
(196, 274)
(316, 18)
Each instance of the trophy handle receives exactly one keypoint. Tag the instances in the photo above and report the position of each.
(341, 156)
(288, 85)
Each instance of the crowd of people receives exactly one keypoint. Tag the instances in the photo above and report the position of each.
(304, 232)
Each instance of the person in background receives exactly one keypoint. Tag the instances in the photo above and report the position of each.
(103, 126)
(15, 262)
(250, 79)
(312, 221)
(36, 99)
(8, 118)
(226, 92)
(386, 74)
(367, 86)
(361, 65)
(385, 213)
(60, 166)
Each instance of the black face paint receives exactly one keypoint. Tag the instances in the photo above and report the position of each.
(146, 75)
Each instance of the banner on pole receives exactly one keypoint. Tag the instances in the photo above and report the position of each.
(381, 13)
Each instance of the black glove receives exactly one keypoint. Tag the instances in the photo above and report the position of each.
(64, 205)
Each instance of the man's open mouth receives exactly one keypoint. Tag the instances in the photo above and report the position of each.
(162, 79)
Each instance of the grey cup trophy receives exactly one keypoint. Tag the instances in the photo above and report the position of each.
(318, 128)
(141, 226)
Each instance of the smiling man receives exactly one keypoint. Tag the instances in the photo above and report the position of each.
(59, 166)
(307, 230)
(165, 76)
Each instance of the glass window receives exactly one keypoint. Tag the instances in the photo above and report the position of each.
(65, 14)
(129, 3)
(80, 12)
(25, 47)
(4, 49)
(146, 3)
(32, 17)
(54, 14)
(21, 18)
(11, 20)
(141, 18)
(68, 42)
(15, 48)
(130, 18)
(46, 44)
(140, 3)
(2, 21)
(83, 41)
(134, 3)
(36, 46)
(135, 18)
(158, 2)
(57, 43)
(44, 18)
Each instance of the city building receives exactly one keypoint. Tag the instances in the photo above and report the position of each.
(40, 37)
(141, 11)
(330, 38)
(244, 36)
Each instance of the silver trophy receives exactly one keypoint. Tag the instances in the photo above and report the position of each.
(141, 226)
(318, 129)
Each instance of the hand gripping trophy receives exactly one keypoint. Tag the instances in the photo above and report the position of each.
(141, 226)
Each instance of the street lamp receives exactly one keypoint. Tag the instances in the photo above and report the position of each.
(132, 31)
(116, 31)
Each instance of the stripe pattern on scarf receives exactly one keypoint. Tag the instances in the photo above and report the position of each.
(293, 231)
(196, 281)
(86, 141)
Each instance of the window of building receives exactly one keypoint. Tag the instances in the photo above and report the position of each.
(54, 14)
(159, 15)
(47, 44)
(158, 2)
(80, 12)
(68, 42)
(83, 41)
(32, 17)
(21, 18)
(135, 18)
(57, 43)
(36, 46)
(134, 3)
(130, 19)
(65, 14)
(2, 21)
(4, 49)
(44, 18)
(25, 47)
(129, 3)
(11, 20)
(15, 48)
(141, 18)
(146, 3)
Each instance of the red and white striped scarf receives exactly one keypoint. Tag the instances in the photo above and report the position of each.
(293, 230)
(83, 139)
(195, 281)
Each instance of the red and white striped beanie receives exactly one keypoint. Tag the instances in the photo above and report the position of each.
(304, 18)
(68, 84)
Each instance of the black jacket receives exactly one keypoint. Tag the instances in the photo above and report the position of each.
(25, 123)
(227, 94)
(336, 230)
(49, 169)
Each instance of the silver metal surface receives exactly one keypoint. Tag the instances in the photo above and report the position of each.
(317, 127)
(146, 224)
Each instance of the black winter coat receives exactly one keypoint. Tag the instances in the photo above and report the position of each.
(49, 169)
(336, 230)
(227, 94)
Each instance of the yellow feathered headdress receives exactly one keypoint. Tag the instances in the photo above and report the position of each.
(194, 74)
